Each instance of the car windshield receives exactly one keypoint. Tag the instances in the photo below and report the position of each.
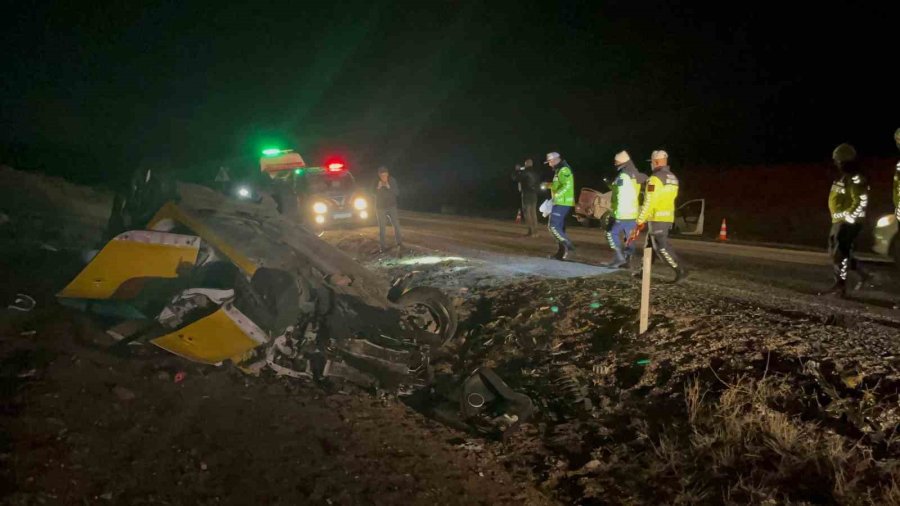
(327, 183)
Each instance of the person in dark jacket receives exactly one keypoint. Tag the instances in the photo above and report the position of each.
(529, 183)
(386, 192)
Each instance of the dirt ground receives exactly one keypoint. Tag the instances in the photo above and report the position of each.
(743, 391)
(83, 426)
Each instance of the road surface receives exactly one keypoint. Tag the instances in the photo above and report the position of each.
(803, 271)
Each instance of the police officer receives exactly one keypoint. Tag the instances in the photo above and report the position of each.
(529, 180)
(625, 192)
(658, 211)
(562, 191)
(847, 203)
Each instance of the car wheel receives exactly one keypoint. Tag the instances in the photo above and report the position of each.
(430, 312)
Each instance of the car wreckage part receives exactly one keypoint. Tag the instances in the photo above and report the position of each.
(487, 396)
(119, 269)
(241, 274)
(430, 312)
(224, 334)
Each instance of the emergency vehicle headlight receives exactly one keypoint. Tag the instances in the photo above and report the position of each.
(360, 203)
(243, 192)
(885, 221)
(320, 208)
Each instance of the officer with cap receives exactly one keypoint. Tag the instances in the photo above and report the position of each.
(562, 191)
(847, 204)
(625, 192)
(658, 211)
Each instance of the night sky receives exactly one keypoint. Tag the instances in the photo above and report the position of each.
(445, 92)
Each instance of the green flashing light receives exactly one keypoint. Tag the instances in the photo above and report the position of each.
(298, 171)
(595, 305)
(555, 309)
(271, 152)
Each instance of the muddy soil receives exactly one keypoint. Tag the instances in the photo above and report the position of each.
(81, 425)
(609, 400)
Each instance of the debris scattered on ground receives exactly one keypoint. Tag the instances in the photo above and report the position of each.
(22, 302)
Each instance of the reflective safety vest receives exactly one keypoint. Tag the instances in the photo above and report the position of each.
(848, 198)
(659, 197)
(563, 188)
(625, 197)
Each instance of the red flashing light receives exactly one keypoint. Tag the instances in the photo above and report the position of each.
(335, 167)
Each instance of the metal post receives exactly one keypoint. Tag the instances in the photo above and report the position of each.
(645, 290)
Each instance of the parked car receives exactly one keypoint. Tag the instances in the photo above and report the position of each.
(886, 240)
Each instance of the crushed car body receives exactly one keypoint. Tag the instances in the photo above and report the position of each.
(213, 279)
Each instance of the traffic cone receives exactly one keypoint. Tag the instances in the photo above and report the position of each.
(723, 231)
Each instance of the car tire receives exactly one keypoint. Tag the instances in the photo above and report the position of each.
(438, 304)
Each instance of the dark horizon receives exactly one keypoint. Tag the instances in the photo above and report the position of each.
(458, 91)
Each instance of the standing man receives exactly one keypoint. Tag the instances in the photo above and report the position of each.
(626, 189)
(386, 193)
(847, 203)
(658, 211)
(529, 183)
(562, 191)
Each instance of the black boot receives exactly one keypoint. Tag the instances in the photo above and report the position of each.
(680, 274)
(560, 251)
(618, 262)
(567, 252)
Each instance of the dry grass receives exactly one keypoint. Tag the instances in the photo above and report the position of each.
(765, 454)
(735, 448)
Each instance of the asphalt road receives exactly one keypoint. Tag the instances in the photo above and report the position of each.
(803, 271)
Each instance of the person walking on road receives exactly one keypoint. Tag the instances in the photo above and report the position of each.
(529, 184)
(847, 204)
(386, 192)
(562, 191)
(625, 192)
(658, 212)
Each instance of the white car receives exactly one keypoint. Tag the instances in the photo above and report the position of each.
(886, 239)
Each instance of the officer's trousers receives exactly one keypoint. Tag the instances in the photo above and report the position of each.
(840, 247)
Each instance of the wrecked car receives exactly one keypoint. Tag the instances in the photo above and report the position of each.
(214, 280)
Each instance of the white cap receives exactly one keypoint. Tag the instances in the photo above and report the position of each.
(622, 157)
(659, 154)
(552, 156)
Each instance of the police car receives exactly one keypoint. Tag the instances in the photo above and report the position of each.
(320, 196)
(886, 240)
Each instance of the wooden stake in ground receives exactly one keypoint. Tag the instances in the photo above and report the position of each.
(645, 290)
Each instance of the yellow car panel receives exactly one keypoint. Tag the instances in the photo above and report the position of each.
(171, 212)
(222, 335)
(132, 257)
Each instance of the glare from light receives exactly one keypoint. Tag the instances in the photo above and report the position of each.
(320, 219)
(298, 171)
(885, 221)
(243, 192)
(271, 151)
(360, 203)
(364, 215)
(429, 260)
(320, 208)
(335, 167)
